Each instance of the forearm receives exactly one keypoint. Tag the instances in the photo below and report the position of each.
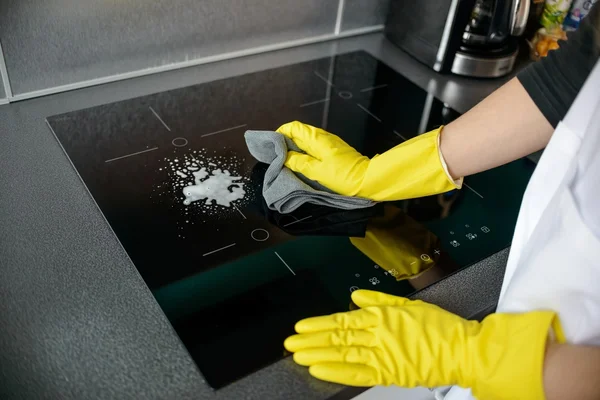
(509, 124)
(571, 372)
(505, 126)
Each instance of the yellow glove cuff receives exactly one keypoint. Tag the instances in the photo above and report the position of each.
(508, 355)
(457, 182)
(412, 169)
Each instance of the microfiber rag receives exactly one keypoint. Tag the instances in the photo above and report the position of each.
(316, 220)
(283, 190)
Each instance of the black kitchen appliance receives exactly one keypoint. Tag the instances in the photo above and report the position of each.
(233, 280)
(475, 38)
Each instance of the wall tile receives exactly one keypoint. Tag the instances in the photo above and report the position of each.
(56, 42)
(361, 13)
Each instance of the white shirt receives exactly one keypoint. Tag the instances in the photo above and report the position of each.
(554, 261)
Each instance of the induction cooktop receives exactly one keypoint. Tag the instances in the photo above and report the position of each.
(233, 278)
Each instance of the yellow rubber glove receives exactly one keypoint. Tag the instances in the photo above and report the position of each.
(409, 170)
(393, 340)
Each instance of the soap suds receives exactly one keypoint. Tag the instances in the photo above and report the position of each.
(200, 174)
(204, 187)
(220, 188)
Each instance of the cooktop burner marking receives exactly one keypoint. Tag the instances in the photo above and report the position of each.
(314, 102)
(401, 137)
(217, 250)
(175, 141)
(224, 130)
(159, 118)
(344, 94)
(298, 220)
(368, 112)
(284, 263)
(373, 88)
(259, 230)
(240, 211)
(132, 154)
(473, 190)
(323, 78)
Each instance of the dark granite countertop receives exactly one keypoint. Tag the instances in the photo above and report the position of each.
(77, 320)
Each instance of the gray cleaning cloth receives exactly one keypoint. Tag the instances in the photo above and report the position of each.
(283, 190)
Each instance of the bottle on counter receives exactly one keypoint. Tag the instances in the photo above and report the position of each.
(554, 13)
(548, 36)
(579, 10)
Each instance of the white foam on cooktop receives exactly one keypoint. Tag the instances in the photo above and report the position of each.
(203, 186)
(200, 174)
(220, 187)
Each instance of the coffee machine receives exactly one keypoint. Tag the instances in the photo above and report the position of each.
(476, 38)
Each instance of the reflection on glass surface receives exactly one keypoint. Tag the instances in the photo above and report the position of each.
(401, 246)
(229, 276)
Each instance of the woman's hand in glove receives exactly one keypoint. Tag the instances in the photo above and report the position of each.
(393, 340)
(411, 169)
(327, 159)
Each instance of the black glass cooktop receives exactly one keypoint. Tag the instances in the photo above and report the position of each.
(233, 279)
